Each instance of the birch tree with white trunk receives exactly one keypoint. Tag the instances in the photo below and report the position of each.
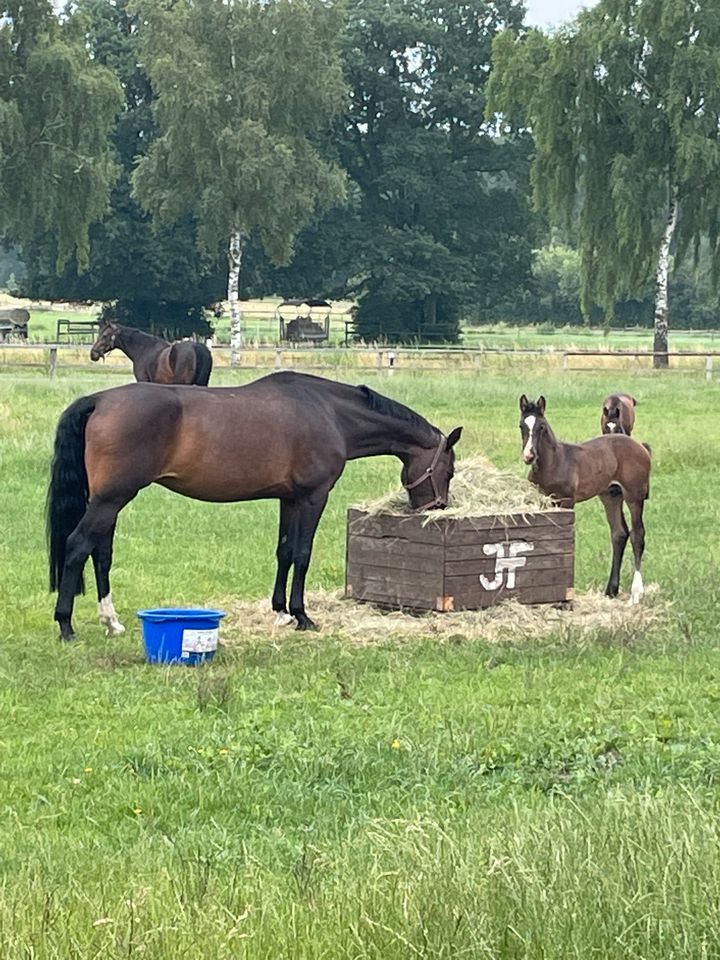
(240, 90)
(623, 104)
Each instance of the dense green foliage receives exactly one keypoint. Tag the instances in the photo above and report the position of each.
(150, 276)
(623, 106)
(553, 296)
(438, 216)
(545, 799)
(238, 89)
(57, 109)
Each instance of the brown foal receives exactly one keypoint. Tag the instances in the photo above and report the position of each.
(613, 467)
(618, 414)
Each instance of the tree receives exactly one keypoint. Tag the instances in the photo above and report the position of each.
(57, 108)
(623, 105)
(151, 278)
(240, 86)
(441, 218)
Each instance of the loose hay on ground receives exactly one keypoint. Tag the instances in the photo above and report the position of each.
(508, 622)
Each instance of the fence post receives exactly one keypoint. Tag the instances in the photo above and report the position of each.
(565, 361)
(278, 359)
(708, 368)
(52, 367)
(380, 359)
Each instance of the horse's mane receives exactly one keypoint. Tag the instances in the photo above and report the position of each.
(391, 408)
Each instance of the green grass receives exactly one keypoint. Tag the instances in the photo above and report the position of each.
(535, 800)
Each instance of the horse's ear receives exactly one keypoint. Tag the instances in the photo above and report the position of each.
(454, 437)
(541, 405)
(524, 403)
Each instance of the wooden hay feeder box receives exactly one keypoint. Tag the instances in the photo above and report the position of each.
(459, 563)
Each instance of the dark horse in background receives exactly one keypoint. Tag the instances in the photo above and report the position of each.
(618, 414)
(287, 437)
(155, 360)
(613, 467)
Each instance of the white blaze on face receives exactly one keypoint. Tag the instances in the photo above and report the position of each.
(611, 425)
(528, 448)
(108, 617)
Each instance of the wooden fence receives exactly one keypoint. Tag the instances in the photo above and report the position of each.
(51, 356)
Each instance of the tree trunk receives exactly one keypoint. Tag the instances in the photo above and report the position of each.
(660, 345)
(235, 253)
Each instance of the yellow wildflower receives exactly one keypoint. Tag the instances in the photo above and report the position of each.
(396, 744)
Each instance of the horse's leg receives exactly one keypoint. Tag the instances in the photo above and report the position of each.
(285, 552)
(613, 503)
(102, 561)
(637, 538)
(309, 513)
(97, 522)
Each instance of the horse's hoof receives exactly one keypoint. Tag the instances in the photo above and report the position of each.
(68, 637)
(115, 629)
(305, 623)
(283, 619)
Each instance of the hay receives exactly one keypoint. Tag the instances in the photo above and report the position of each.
(478, 489)
(363, 624)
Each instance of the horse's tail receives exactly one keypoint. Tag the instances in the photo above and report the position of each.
(203, 365)
(648, 448)
(68, 492)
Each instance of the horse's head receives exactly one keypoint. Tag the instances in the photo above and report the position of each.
(105, 341)
(612, 417)
(427, 473)
(532, 427)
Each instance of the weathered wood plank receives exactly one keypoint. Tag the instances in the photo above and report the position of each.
(542, 548)
(532, 595)
(556, 518)
(431, 579)
(486, 565)
(396, 547)
(501, 535)
(389, 525)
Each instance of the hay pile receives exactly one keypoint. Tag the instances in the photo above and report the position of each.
(478, 489)
(509, 622)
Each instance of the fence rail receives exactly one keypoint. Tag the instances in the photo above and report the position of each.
(457, 359)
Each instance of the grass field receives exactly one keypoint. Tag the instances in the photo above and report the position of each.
(531, 800)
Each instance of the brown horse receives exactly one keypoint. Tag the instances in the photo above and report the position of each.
(618, 414)
(155, 360)
(613, 467)
(285, 437)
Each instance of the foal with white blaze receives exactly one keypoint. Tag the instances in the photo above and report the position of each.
(613, 467)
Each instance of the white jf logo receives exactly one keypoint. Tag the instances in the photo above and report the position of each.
(505, 563)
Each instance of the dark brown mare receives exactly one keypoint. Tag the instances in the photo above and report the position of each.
(155, 360)
(285, 437)
(613, 467)
(618, 414)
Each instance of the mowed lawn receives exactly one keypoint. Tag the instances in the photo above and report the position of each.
(541, 800)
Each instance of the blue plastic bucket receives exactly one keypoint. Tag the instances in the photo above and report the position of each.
(180, 635)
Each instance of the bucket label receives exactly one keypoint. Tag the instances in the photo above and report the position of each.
(199, 641)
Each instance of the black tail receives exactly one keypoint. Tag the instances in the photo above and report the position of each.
(203, 365)
(68, 491)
